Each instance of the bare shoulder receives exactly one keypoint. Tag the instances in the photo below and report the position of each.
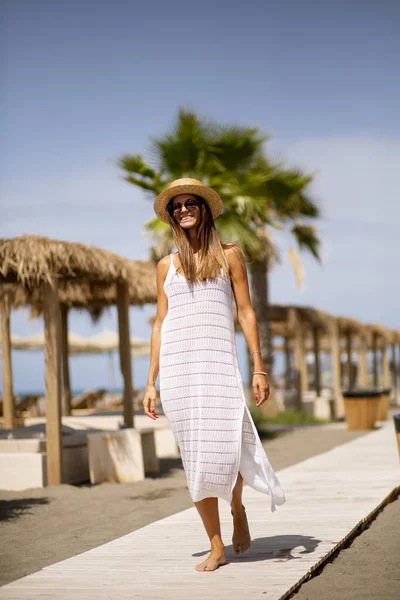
(163, 266)
(234, 255)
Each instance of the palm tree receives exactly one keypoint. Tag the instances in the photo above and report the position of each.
(258, 196)
(288, 204)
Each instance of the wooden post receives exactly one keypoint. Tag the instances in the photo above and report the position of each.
(362, 362)
(385, 366)
(317, 365)
(335, 366)
(375, 372)
(305, 377)
(350, 379)
(66, 396)
(297, 330)
(287, 361)
(52, 360)
(125, 351)
(394, 372)
(8, 395)
(398, 375)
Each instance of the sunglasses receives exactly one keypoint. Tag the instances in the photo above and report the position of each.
(175, 207)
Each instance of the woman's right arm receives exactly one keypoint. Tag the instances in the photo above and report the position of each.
(150, 396)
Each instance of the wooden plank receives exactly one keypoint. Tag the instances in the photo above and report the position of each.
(8, 395)
(327, 497)
(52, 361)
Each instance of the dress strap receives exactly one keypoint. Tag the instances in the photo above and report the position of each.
(172, 261)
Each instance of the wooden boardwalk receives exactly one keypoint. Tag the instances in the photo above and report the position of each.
(327, 497)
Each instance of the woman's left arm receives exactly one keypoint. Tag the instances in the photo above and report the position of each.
(247, 320)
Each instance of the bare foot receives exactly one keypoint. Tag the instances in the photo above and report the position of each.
(215, 559)
(241, 539)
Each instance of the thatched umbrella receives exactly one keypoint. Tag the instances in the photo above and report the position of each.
(105, 342)
(304, 329)
(39, 265)
(36, 341)
(93, 296)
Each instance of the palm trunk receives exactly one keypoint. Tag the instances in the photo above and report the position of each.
(260, 301)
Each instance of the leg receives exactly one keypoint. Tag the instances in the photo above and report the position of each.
(208, 511)
(241, 539)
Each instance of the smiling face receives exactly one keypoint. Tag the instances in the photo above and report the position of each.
(186, 216)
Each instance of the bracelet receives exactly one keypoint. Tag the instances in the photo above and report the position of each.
(255, 352)
(260, 373)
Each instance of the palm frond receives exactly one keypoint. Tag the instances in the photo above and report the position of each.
(258, 194)
(140, 174)
(232, 228)
(307, 239)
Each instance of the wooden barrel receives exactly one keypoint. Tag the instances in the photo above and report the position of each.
(361, 408)
(383, 408)
(396, 419)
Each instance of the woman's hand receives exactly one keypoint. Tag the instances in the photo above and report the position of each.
(260, 388)
(149, 402)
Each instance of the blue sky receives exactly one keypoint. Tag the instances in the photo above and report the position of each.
(85, 82)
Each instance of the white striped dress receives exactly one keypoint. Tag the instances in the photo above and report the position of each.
(202, 393)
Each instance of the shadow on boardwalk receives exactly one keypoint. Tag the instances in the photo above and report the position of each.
(276, 547)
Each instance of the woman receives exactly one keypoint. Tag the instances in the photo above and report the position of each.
(193, 346)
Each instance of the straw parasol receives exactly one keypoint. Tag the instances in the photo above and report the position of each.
(40, 267)
(36, 341)
(30, 260)
(92, 296)
(106, 341)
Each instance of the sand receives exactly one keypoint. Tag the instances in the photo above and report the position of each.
(39, 527)
(368, 569)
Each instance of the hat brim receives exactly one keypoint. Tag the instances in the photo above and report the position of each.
(212, 198)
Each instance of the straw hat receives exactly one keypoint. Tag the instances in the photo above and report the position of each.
(186, 185)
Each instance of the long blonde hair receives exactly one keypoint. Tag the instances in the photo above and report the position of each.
(211, 253)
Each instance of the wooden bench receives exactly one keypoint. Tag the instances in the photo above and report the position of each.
(122, 456)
